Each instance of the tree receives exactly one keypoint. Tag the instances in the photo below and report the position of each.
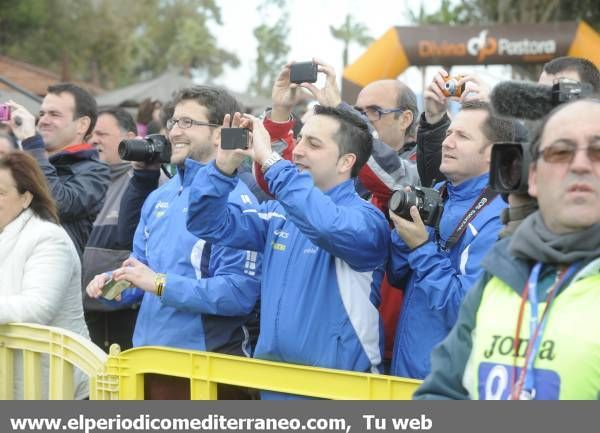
(177, 34)
(113, 42)
(349, 32)
(272, 48)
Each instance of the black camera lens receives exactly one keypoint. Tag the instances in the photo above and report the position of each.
(133, 150)
(401, 202)
(510, 168)
(153, 148)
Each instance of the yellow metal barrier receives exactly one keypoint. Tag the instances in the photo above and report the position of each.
(121, 374)
(65, 350)
(206, 369)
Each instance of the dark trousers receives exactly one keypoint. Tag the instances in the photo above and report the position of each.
(108, 327)
(159, 387)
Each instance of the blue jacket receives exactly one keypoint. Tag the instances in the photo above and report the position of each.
(437, 281)
(323, 262)
(202, 279)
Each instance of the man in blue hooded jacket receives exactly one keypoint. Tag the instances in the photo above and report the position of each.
(440, 264)
(181, 279)
(324, 247)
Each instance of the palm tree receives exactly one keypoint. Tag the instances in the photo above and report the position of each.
(349, 32)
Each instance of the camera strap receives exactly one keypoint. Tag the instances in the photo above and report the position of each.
(485, 198)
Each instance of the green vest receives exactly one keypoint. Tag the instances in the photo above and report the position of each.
(567, 365)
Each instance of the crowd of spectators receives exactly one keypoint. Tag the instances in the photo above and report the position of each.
(292, 248)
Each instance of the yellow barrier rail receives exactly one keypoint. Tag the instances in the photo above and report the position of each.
(65, 350)
(120, 375)
(206, 369)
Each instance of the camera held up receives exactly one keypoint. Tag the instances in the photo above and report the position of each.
(151, 149)
(427, 200)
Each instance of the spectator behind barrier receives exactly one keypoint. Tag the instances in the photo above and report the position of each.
(40, 273)
(194, 295)
(387, 168)
(552, 261)
(324, 246)
(440, 263)
(77, 179)
(109, 324)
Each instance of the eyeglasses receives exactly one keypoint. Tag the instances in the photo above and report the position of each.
(186, 122)
(373, 112)
(561, 153)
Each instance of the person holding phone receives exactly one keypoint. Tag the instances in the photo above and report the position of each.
(324, 246)
(194, 294)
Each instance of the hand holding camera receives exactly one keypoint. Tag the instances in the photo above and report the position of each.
(329, 95)
(242, 136)
(21, 121)
(435, 101)
(412, 209)
(283, 95)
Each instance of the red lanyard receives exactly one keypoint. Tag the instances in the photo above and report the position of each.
(517, 388)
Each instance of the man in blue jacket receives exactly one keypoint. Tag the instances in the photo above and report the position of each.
(324, 247)
(440, 264)
(183, 278)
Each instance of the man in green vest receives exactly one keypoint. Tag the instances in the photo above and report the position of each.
(529, 330)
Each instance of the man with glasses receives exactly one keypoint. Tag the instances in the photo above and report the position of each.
(391, 107)
(194, 295)
(528, 330)
(439, 264)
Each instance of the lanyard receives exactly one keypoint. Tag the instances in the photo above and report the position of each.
(524, 389)
(485, 198)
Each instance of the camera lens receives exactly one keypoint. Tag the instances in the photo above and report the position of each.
(510, 168)
(401, 202)
(134, 150)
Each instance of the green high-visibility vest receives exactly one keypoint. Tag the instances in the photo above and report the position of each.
(567, 365)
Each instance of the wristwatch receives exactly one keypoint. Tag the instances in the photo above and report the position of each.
(272, 159)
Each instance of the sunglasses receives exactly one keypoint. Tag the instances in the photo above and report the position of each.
(564, 153)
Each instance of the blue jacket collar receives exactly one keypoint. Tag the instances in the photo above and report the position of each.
(342, 190)
(188, 171)
(469, 188)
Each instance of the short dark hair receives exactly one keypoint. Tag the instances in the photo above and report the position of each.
(217, 101)
(123, 118)
(29, 177)
(496, 129)
(587, 71)
(408, 100)
(352, 136)
(85, 103)
(536, 140)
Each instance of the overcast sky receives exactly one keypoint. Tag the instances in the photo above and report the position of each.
(309, 22)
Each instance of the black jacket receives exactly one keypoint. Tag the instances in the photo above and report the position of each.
(78, 181)
(429, 149)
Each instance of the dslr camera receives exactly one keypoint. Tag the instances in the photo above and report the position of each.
(427, 200)
(151, 149)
